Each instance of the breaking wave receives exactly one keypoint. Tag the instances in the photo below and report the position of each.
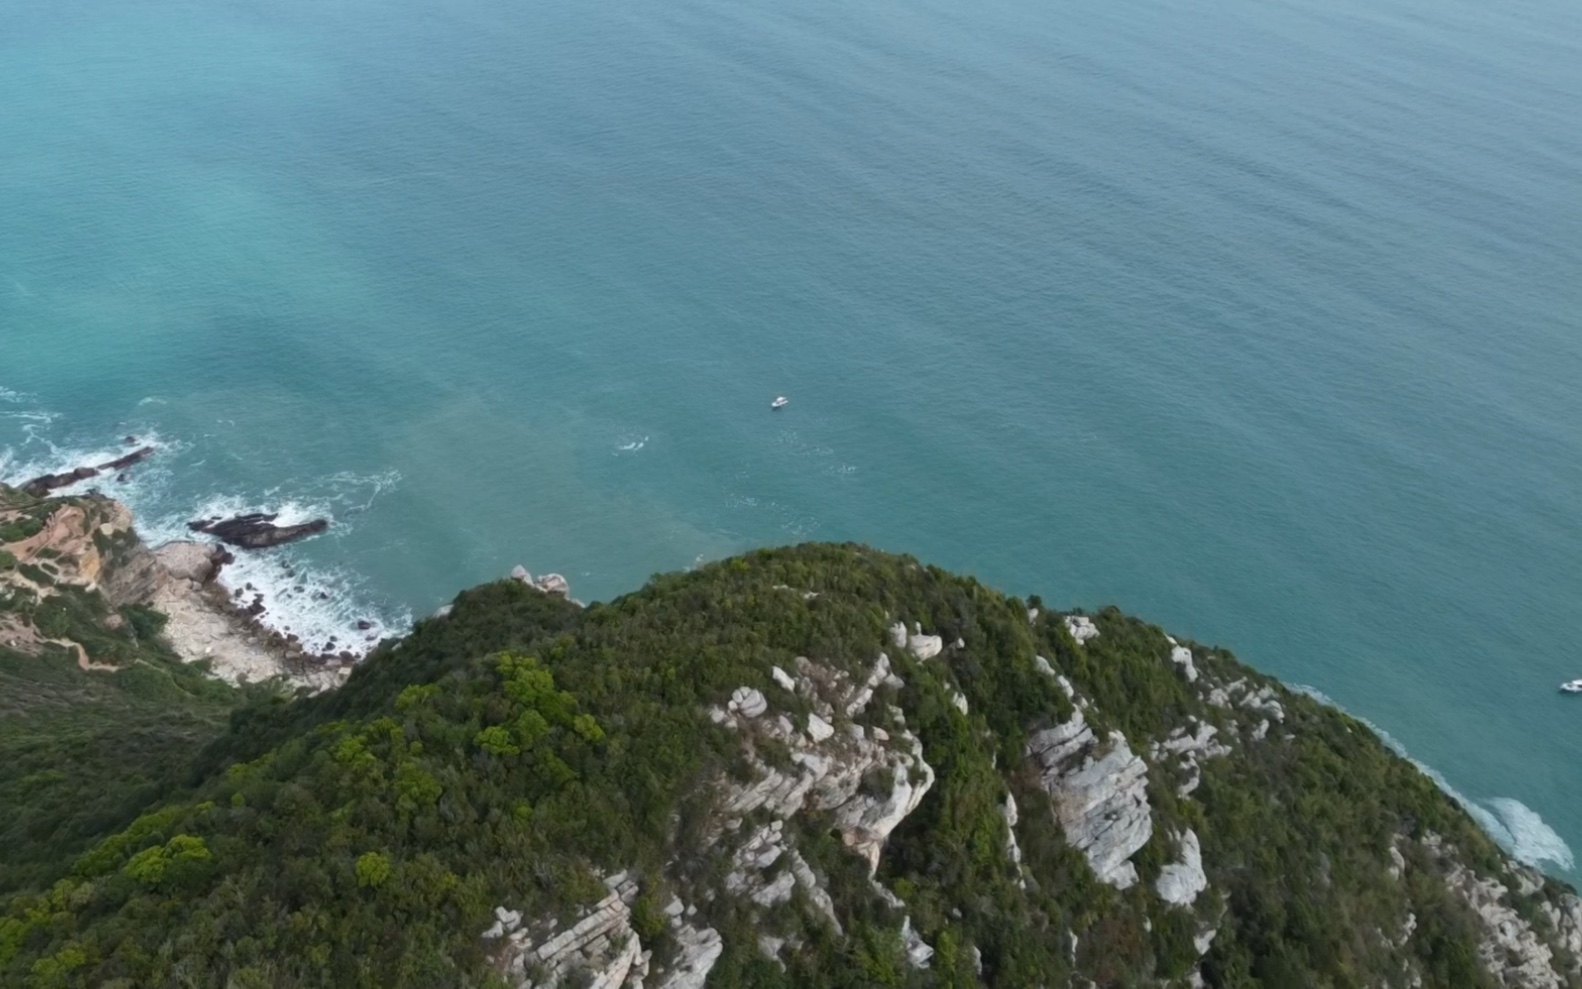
(330, 608)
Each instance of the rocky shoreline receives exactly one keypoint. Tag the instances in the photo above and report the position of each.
(208, 620)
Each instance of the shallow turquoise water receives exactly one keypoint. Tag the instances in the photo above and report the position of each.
(1260, 319)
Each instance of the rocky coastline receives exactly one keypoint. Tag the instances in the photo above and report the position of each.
(90, 541)
(207, 619)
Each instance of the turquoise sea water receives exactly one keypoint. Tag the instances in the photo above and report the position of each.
(1260, 319)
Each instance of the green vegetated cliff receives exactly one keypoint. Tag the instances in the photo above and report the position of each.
(83, 751)
(815, 766)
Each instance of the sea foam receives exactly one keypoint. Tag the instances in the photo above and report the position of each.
(322, 605)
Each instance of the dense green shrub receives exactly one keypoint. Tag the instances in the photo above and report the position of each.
(517, 750)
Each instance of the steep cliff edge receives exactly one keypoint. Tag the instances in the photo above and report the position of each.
(818, 766)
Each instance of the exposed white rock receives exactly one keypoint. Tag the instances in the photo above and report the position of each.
(1510, 949)
(1192, 747)
(1013, 850)
(520, 573)
(763, 850)
(748, 702)
(553, 584)
(783, 678)
(1182, 657)
(190, 561)
(819, 729)
(1042, 665)
(1181, 882)
(1261, 731)
(600, 944)
(880, 675)
(697, 949)
(959, 700)
(1263, 701)
(1224, 695)
(1101, 798)
(1566, 917)
(925, 646)
(917, 952)
(443, 611)
(827, 774)
(898, 635)
(1081, 628)
(1204, 939)
(1032, 614)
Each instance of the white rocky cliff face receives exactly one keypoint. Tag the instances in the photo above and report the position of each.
(601, 950)
(1100, 789)
(866, 777)
(1511, 950)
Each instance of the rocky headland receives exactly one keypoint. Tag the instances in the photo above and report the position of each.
(819, 766)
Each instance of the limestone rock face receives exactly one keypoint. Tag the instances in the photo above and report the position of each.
(195, 562)
(1191, 747)
(828, 767)
(600, 947)
(1100, 792)
(1510, 950)
(1182, 657)
(1181, 882)
(866, 780)
(918, 953)
(922, 646)
(1081, 628)
(554, 584)
(697, 949)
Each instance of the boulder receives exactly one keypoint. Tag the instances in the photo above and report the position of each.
(257, 530)
(1181, 882)
(748, 702)
(818, 729)
(197, 562)
(553, 584)
(1081, 628)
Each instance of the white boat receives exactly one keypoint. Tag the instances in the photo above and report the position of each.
(1571, 687)
(780, 402)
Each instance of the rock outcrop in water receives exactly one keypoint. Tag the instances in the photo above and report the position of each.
(39, 487)
(257, 530)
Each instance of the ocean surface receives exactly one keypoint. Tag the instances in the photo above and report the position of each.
(1259, 318)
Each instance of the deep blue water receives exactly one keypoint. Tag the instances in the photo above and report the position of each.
(1260, 319)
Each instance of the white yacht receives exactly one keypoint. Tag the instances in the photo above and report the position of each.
(780, 402)
(1571, 687)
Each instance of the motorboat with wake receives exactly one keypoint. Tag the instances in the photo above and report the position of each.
(780, 402)
(1571, 687)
